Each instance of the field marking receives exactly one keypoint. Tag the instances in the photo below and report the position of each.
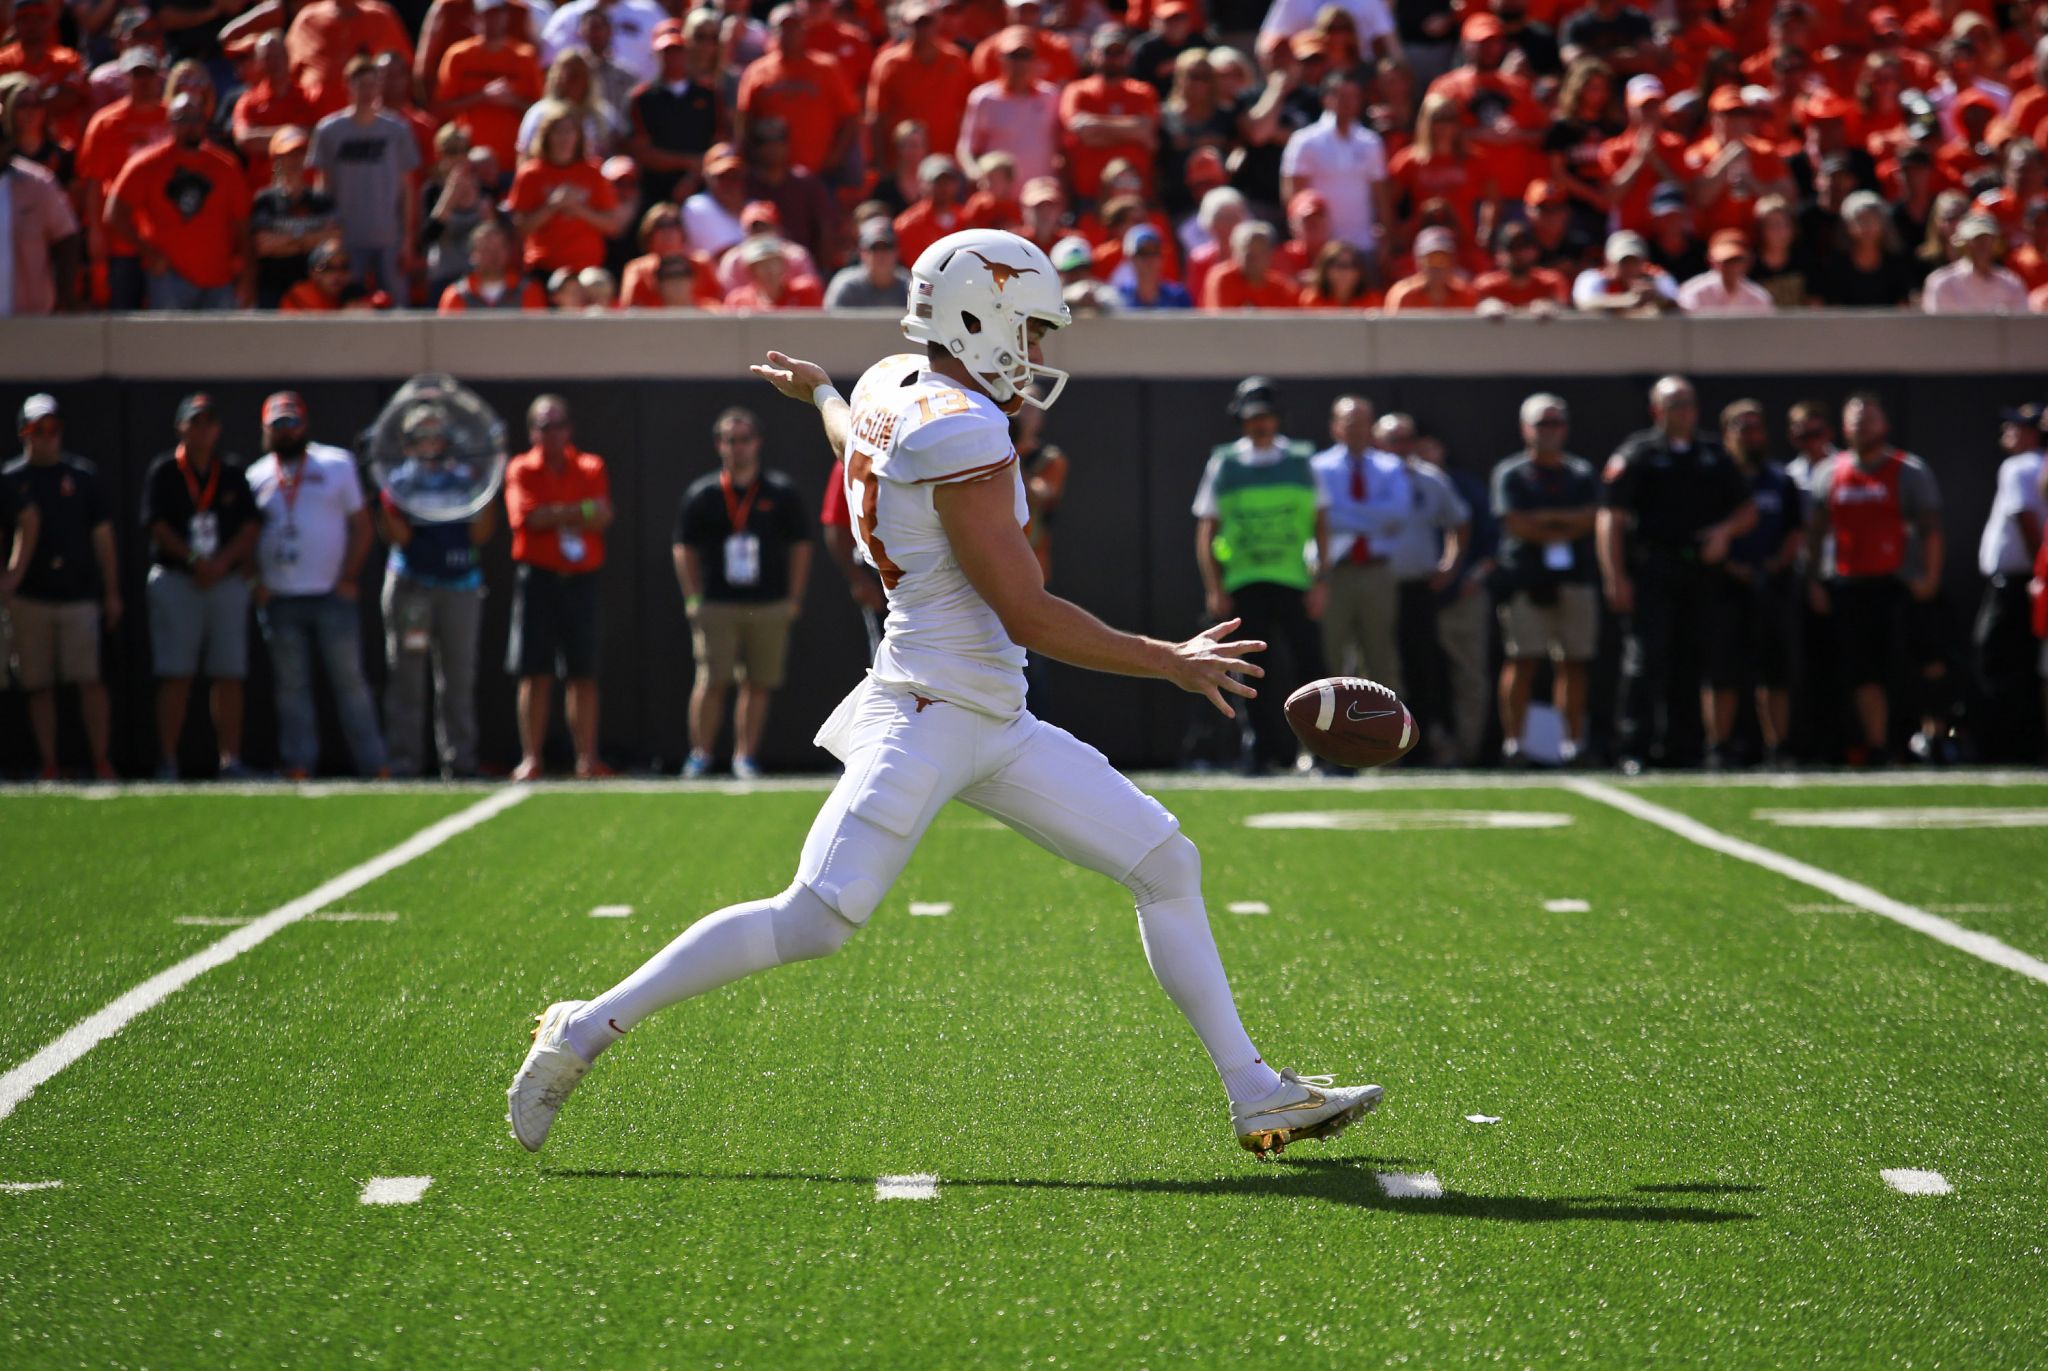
(1825, 907)
(1249, 907)
(921, 1186)
(1907, 1181)
(1482, 1118)
(1410, 1185)
(1407, 820)
(612, 911)
(1567, 907)
(1404, 779)
(1936, 817)
(931, 909)
(337, 916)
(82, 1037)
(395, 1189)
(214, 920)
(22, 1187)
(1979, 945)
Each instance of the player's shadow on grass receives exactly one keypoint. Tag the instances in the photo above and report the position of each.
(1336, 1180)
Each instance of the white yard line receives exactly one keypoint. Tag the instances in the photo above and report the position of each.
(1410, 1185)
(1907, 1181)
(395, 1189)
(922, 1186)
(931, 909)
(612, 911)
(1249, 907)
(20, 1187)
(1979, 945)
(1567, 907)
(82, 1037)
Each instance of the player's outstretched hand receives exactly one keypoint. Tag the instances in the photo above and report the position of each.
(1207, 665)
(792, 376)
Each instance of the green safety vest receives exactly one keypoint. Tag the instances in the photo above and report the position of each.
(1265, 517)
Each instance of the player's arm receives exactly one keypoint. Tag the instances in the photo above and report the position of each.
(980, 520)
(807, 381)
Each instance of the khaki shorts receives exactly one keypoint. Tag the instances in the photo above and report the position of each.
(56, 640)
(741, 642)
(1567, 631)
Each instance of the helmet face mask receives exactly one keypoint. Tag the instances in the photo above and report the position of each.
(975, 294)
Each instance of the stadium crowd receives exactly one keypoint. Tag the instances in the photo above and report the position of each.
(1756, 604)
(1491, 155)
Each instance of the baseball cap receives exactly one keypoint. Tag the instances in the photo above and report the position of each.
(669, 34)
(1205, 168)
(1668, 199)
(1306, 202)
(1976, 226)
(1884, 20)
(1017, 38)
(760, 212)
(1643, 89)
(935, 165)
(1072, 254)
(141, 59)
(1759, 97)
(760, 249)
(290, 138)
(1624, 245)
(620, 168)
(1727, 243)
(284, 407)
(1862, 202)
(1171, 9)
(2029, 414)
(1041, 190)
(1726, 100)
(1434, 240)
(38, 407)
(194, 405)
(1975, 98)
(878, 233)
(1139, 237)
(1255, 395)
(720, 158)
(1480, 27)
(1827, 105)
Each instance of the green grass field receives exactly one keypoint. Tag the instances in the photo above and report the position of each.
(1699, 1078)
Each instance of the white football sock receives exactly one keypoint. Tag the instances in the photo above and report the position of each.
(1174, 924)
(716, 950)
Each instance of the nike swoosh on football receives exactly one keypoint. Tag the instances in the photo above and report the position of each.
(1351, 713)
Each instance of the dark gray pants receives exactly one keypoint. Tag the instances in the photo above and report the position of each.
(424, 622)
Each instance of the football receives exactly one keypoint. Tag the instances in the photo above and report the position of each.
(1351, 721)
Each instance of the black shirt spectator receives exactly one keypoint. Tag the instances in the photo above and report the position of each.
(72, 501)
(167, 495)
(297, 213)
(679, 119)
(1844, 285)
(1522, 485)
(1673, 492)
(770, 509)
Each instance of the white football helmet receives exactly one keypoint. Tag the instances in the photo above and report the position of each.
(974, 293)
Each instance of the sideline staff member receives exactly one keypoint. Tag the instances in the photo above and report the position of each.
(743, 556)
(558, 502)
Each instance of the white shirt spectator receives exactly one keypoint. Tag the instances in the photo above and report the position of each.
(1380, 516)
(1594, 282)
(1437, 507)
(633, 24)
(2001, 551)
(710, 226)
(1706, 293)
(1956, 289)
(1343, 167)
(1025, 126)
(1289, 17)
(305, 525)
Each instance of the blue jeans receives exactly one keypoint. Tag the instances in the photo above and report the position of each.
(295, 627)
(168, 290)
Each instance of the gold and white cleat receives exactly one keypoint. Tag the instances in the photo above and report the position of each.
(550, 1071)
(1299, 1108)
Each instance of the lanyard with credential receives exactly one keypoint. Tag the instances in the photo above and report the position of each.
(737, 510)
(201, 500)
(288, 483)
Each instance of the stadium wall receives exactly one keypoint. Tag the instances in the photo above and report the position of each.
(1139, 419)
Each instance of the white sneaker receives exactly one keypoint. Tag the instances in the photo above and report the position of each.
(545, 1078)
(1300, 1107)
(745, 769)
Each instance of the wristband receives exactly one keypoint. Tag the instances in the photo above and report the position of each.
(824, 393)
(589, 510)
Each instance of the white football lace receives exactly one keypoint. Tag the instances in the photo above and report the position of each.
(1320, 1082)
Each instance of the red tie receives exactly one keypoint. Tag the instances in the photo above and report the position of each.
(1361, 546)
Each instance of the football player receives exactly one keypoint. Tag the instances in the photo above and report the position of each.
(939, 511)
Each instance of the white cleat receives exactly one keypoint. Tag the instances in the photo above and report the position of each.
(545, 1078)
(1297, 1108)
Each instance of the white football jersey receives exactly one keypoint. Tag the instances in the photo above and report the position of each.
(913, 431)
